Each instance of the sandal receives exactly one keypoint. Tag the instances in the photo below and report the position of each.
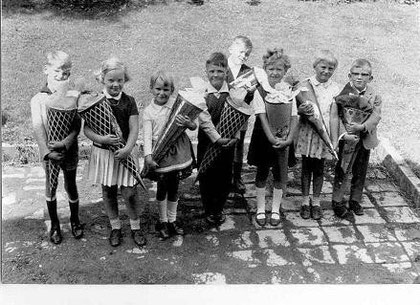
(275, 221)
(261, 221)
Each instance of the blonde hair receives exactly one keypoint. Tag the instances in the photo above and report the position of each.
(59, 59)
(245, 41)
(327, 56)
(111, 64)
(276, 55)
(361, 63)
(166, 78)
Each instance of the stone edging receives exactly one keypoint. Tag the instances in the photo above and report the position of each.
(384, 154)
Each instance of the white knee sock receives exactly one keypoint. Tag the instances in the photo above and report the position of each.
(135, 224)
(172, 206)
(115, 224)
(277, 195)
(260, 200)
(163, 210)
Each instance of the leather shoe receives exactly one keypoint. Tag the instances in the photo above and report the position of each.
(162, 228)
(340, 209)
(76, 229)
(305, 211)
(175, 229)
(261, 221)
(220, 218)
(211, 219)
(316, 212)
(55, 235)
(356, 207)
(115, 237)
(138, 238)
(275, 221)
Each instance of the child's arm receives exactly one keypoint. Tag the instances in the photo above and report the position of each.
(373, 120)
(184, 120)
(148, 142)
(133, 124)
(68, 141)
(106, 140)
(334, 124)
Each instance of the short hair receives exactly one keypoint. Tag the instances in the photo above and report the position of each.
(166, 78)
(327, 56)
(111, 64)
(276, 55)
(245, 40)
(217, 59)
(361, 63)
(59, 59)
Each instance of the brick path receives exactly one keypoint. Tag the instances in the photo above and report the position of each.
(382, 246)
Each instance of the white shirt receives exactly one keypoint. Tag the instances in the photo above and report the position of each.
(234, 68)
(325, 93)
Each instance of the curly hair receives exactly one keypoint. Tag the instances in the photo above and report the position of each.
(276, 55)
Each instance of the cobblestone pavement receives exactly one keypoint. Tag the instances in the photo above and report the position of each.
(382, 246)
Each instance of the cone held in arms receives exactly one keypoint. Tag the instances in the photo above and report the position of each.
(309, 110)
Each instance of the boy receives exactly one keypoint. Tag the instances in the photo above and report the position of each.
(215, 183)
(64, 153)
(239, 51)
(364, 134)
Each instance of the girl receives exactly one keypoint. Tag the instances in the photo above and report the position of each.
(269, 149)
(104, 165)
(177, 163)
(309, 144)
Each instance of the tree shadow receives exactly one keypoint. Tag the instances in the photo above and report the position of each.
(109, 10)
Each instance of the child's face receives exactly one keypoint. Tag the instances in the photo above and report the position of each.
(239, 53)
(56, 73)
(161, 92)
(114, 82)
(275, 72)
(360, 77)
(324, 70)
(216, 75)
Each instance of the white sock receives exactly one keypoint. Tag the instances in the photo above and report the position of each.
(115, 224)
(305, 200)
(316, 202)
(135, 224)
(163, 210)
(260, 201)
(275, 207)
(172, 206)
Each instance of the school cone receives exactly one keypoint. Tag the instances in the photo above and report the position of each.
(97, 114)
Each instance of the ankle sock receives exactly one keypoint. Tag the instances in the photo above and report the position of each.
(172, 207)
(163, 210)
(135, 224)
(275, 207)
(260, 201)
(115, 224)
(316, 201)
(305, 200)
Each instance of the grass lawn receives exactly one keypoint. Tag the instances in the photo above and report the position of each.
(178, 37)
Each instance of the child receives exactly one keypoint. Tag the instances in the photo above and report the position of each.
(309, 144)
(362, 133)
(268, 150)
(179, 159)
(215, 183)
(239, 51)
(104, 165)
(65, 152)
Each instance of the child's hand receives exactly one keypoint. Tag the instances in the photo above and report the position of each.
(55, 156)
(226, 143)
(351, 138)
(56, 146)
(149, 163)
(110, 140)
(122, 153)
(184, 120)
(356, 128)
(306, 109)
(238, 95)
(280, 144)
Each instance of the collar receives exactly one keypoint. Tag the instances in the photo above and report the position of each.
(317, 83)
(169, 104)
(211, 89)
(361, 92)
(108, 96)
(45, 89)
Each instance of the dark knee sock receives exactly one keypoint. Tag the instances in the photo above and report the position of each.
(52, 211)
(74, 211)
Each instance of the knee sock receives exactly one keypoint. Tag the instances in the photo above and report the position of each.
(52, 212)
(163, 210)
(172, 207)
(305, 200)
(260, 201)
(135, 224)
(316, 202)
(115, 224)
(275, 207)
(74, 210)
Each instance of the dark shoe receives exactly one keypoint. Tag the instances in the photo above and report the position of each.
(340, 209)
(316, 212)
(274, 221)
(356, 207)
(115, 237)
(220, 219)
(211, 219)
(138, 238)
(55, 235)
(305, 211)
(76, 229)
(162, 228)
(261, 221)
(175, 229)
